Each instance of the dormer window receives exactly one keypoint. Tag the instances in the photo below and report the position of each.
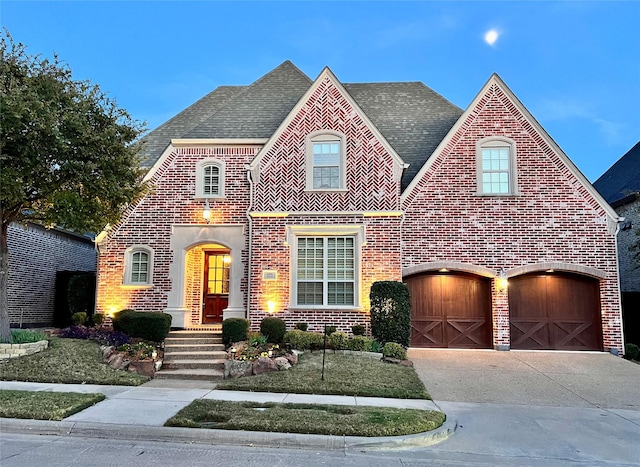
(326, 162)
(210, 179)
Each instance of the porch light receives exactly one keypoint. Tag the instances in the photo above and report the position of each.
(206, 212)
(271, 307)
(503, 282)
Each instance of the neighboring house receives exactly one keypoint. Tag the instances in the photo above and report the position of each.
(36, 254)
(620, 186)
(291, 197)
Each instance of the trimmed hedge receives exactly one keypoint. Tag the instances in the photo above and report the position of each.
(394, 350)
(302, 340)
(339, 341)
(235, 330)
(390, 312)
(146, 325)
(274, 329)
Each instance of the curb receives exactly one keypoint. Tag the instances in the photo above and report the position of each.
(231, 437)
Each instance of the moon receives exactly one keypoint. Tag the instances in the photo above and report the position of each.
(491, 36)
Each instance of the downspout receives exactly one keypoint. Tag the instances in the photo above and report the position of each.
(250, 236)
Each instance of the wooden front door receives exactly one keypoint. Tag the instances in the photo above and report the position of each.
(555, 311)
(216, 285)
(450, 310)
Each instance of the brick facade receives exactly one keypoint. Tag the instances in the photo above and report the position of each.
(35, 255)
(552, 219)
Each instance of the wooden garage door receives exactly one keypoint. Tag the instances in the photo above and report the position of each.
(555, 311)
(450, 310)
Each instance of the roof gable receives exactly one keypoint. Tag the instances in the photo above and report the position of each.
(623, 178)
(527, 120)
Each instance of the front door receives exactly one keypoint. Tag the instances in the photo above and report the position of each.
(216, 285)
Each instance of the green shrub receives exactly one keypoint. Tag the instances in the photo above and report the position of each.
(328, 330)
(360, 343)
(24, 336)
(358, 329)
(302, 340)
(390, 312)
(235, 330)
(78, 319)
(374, 346)
(394, 350)
(146, 325)
(631, 352)
(302, 326)
(339, 340)
(273, 328)
(98, 319)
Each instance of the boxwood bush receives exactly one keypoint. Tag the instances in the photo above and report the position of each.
(146, 325)
(235, 330)
(390, 312)
(394, 350)
(273, 328)
(339, 341)
(302, 340)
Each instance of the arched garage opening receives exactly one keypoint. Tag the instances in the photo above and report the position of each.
(555, 311)
(450, 310)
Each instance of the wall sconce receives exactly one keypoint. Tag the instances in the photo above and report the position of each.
(271, 307)
(206, 212)
(502, 282)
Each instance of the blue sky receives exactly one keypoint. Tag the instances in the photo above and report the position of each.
(574, 64)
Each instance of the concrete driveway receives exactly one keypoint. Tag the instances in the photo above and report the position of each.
(558, 379)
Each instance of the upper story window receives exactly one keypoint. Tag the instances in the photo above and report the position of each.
(496, 167)
(138, 266)
(326, 162)
(210, 179)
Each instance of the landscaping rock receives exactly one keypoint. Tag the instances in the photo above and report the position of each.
(292, 358)
(397, 361)
(282, 363)
(146, 368)
(107, 350)
(117, 361)
(264, 365)
(237, 368)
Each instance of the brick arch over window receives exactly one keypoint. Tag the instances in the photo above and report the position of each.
(556, 266)
(184, 238)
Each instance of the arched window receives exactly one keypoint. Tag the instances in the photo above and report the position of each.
(138, 266)
(496, 166)
(326, 165)
(210, 179)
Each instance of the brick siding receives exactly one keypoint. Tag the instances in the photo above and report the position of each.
(35, 255)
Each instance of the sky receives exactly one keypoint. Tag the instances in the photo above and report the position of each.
(575, 65)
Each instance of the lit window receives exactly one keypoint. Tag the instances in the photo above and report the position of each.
(326, 271)
(325, 162)
(138, 267)
(210, 179)
(496, 166)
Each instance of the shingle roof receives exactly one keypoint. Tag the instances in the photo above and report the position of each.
(623, 178)
(412, 117)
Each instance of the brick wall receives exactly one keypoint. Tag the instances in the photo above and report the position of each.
(553, 219)
(149, 222)
(627, 239)
(35, 255)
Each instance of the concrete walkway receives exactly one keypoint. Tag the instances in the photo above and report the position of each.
(140, 412)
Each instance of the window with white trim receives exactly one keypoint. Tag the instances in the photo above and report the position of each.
(496, 166)
(210, 179)
(325, 265)
(138, 268)
(325, 162)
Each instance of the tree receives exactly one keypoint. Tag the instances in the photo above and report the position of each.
(67, 152)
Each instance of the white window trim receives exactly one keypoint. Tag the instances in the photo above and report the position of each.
(318, 137)
(497, 142)
(296, 231)
(128, 257)
(200, 178)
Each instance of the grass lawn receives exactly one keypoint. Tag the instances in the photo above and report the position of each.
(42, 405)
(67, 361)
(306, 418)
(349, 375)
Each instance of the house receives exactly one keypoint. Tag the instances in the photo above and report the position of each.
(620, 186)
(291, 196)
(36, 256)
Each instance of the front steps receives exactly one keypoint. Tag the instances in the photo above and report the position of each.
(193, 355)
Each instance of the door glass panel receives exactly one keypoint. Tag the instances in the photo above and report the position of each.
(218, 273)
